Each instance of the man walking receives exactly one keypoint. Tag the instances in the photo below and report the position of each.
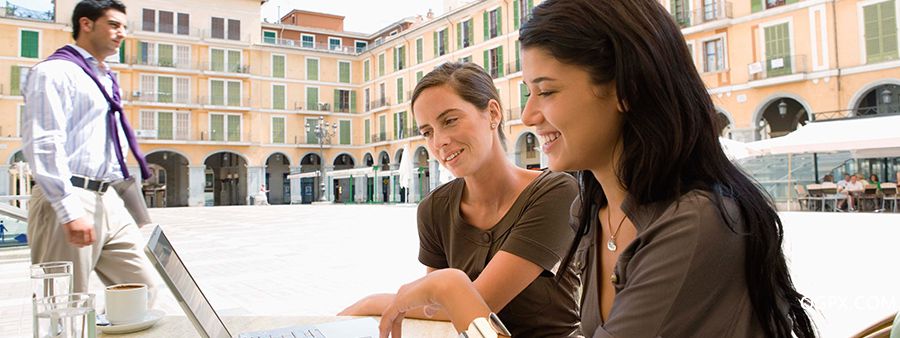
(74, 137)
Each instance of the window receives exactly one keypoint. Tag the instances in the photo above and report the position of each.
(278, 129)
(778, 50)
(184, 24)
(523, 95)
(149, 20)
(270, 37)
(165, 22)
(21, 123)
(278, 96)
(710, 10)
(226, 60)
(310, 130)
(400, 90)
(168, 125)
(419, 53)
(518, 65)
(312, 69)
(164, 55)
(465, 35)
(419, 76)
(307, 41)
(368, 131)
(334, 43)
(400, 125)
(521, 12)
(381, 64)
(225, 127)
(344, 131)
(225, 93)
(399, 58)
(344, 71)
(681, 11)
(493, 62)
(361, 46)
(774, 3)
(344, 101)
(366, 70)
(467, 58)
(382, 129)
(714, 55)
(367, 99)
(880, 25)
(441, 38)
(758, 5)
(164, 89)
(219, 29)
(312, 98)
(492, 24)
(29, 43)
(278, 65)
(382, 94)
(18, 75)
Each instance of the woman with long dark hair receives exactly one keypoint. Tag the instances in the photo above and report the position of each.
(672, 239)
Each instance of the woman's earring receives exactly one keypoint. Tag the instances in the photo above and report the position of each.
(493, 125)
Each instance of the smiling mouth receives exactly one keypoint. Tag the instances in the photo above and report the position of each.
(453, 155)
(550, 137)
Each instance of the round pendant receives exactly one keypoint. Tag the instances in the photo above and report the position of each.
(611, 244)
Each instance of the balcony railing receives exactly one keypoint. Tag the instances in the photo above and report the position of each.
(226, 68)
(18, 12)
(380, 137)
(777, 66)
(318, 46)
(890, 109)
(717, 10)
(155, 62)
(223, 101)
(379, 103)
(159, 97)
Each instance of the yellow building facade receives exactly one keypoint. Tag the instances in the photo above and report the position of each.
(227, 105)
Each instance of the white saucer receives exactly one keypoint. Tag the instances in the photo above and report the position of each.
(151, 318)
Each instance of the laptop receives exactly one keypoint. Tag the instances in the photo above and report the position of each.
(207, 321)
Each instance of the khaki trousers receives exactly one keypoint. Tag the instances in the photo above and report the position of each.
(116, 255)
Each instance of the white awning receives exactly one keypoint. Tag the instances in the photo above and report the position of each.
(865, 135)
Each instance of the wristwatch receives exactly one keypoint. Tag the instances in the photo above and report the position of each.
(486, 327)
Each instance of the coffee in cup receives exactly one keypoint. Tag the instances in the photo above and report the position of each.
(126, 303)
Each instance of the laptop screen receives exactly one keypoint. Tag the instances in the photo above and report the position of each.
(183, 286)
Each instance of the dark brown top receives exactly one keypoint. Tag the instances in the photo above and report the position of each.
(682, 276)
(535, 228)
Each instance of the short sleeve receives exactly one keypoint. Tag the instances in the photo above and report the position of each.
(431, 248)
(542, 234)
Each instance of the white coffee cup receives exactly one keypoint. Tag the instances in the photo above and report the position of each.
(126, 303)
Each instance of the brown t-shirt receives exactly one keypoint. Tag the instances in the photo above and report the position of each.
(682, 276)
(535, 228)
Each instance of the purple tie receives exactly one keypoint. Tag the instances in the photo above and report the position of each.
(115, 105)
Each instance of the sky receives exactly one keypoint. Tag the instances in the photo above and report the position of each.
(38, 5)
(361, 16)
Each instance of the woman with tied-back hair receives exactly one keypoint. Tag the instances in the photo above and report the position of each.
(506, 227)
(672, 239)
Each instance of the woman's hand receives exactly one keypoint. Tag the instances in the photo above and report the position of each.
(371, 305)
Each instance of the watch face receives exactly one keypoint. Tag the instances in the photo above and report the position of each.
(498, 325)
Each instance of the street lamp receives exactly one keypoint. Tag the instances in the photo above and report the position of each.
(886, 96)
(782, 109)
(323, 131)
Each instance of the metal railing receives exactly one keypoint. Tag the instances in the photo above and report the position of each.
(225, 68)
(379, 103)
(891, 109)
(244, 102)
(380, 137)
(777, 66)
(155, 62)
(317, 46)
(159, 97)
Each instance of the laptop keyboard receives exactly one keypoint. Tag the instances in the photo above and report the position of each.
(298, 332)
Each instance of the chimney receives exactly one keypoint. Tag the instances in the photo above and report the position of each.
(430, 14)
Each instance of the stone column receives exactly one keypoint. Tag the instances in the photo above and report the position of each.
(435, 171)
(196, 185)
(328, 176)
(255, 178)
(296, 191)
(5, 180)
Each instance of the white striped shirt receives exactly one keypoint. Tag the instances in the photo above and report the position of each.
(65, 131)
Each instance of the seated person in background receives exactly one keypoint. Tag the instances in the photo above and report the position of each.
(828, 179)
(842, 190)
(506, 227)
(862, 178)
(853, 190)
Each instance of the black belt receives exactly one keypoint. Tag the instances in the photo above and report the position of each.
(89, 184)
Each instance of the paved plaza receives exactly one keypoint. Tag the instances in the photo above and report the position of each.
(314, 260)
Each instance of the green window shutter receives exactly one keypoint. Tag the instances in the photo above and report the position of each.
(278, 66)
(872, 36)
(487, 26)
(419, 51)
(880, 32)
(142, 52)
(396, 58)
(217, 64)
(756, 5)
(500, 59)
(345, 132)
(164, 89)
(164, 126)
(234, 128)
(311, 134)
(269, 37)
(344, 72)
(234, 61)
(368, 131)
(446, 40)
(15, 76)
(471, 32)
(166, 55)
(336, 98)
(352, 101)
(459, 34)
(888, 30)
(381, 65)
(382, 125)
(217, 91)
(516, 14)
(790, 1)
(278, 130)
(530, 5)
(435, 44)
(777, 47)
(234, 93)
(312, 69)
(500, 21)
(122, 52)
(217, 127)
(400, 90)
(366, 71)
(29, 44)
(523, 99)
(487, 61)
(518, 50)
(312, 98)
(419, 76)
(278, 97)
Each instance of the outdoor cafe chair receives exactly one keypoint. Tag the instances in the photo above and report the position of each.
(870, 194)
(889, 191)
(810, 197)
(830, 193)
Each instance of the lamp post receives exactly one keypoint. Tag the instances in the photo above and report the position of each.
(323, 131)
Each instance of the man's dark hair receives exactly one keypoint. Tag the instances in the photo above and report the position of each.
(92, 9)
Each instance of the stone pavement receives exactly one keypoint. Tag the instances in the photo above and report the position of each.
(315, 260)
